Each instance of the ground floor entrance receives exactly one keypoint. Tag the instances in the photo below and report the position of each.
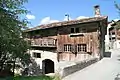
(47, 66)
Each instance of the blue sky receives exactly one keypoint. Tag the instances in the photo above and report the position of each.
(47, 11)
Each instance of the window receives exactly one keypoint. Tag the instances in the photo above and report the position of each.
(72, 30)
(113, 38)
(109, 33)
(77, 30)
(113, 33)
(110, 39)
(83, 30)
(81, 47)
(37, 55)
(67, 47)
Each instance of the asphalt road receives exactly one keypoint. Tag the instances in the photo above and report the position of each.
(105, 69)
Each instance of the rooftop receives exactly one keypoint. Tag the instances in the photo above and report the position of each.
(65, 23)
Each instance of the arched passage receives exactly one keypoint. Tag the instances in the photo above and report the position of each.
(47, 66)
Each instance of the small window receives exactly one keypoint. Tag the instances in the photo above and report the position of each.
(109, 33)
(67, 47)
(77, 30)
(113, 33)
(113, 38)
(37, 32)
(81, 47)
(72, 30)
(110, 38)
(83, 30)
(37, 55)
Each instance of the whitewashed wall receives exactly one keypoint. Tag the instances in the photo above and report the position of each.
(116, 44)
(45, 55)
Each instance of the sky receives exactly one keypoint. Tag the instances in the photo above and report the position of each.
(49, 11)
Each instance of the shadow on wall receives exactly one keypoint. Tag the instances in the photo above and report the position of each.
(107, 54)
(33, 69)
(118, 56)
(117, 77)
(118, 59)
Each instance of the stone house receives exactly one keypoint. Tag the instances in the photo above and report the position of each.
(113, 35)
(72, 40)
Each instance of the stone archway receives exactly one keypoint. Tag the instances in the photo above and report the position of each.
(47, 66)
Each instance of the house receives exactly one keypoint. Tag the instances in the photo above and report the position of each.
(72, 40)
(113, 35)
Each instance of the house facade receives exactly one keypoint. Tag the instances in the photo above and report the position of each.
(113, 35)
(73, 40)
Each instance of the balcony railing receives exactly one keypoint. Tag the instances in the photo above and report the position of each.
(43, 42)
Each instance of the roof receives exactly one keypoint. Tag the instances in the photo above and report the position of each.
(114, 22)
(65, 23)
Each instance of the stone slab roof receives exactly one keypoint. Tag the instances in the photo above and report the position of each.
(65, 23)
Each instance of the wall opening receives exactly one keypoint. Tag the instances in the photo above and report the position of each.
(47, 66)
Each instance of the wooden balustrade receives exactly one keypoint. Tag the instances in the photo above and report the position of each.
(43, 42)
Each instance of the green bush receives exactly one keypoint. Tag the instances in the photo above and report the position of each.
(56, 77)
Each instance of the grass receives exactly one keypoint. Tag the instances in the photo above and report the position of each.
(28, 78)
(33, 78)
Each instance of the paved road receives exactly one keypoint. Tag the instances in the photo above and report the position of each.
(106, 69)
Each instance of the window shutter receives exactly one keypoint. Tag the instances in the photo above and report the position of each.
(74, 48)
(60, 48)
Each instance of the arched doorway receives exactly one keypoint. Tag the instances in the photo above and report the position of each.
(47, 66)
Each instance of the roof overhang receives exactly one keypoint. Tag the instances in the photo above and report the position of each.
(66, 23)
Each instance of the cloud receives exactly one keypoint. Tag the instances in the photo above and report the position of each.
(116, 20)
(30, 16)
(81, 17)
(48, 20)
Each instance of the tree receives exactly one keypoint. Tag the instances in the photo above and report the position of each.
(117, 5)
(13, 47)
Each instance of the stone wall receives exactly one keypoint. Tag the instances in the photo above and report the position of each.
(76, 67)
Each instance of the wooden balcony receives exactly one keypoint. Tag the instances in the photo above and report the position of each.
(43, 42)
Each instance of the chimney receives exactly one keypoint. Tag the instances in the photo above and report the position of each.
(97, 11)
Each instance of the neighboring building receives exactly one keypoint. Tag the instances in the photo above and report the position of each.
(67, 41)
(113, 35)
